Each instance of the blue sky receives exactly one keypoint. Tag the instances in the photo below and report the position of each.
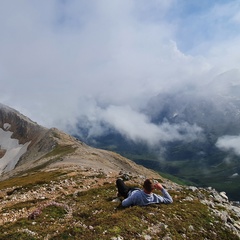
(204, 23)
(61, 60)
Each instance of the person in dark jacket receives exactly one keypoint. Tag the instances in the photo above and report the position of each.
(142, 197)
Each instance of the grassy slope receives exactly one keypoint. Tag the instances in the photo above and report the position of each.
(91, 214)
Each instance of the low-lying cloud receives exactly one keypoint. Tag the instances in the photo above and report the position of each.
(229, 143)
(137, 127)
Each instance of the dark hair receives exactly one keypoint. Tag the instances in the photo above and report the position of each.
(148, 185)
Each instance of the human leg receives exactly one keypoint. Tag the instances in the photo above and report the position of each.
(122, 188)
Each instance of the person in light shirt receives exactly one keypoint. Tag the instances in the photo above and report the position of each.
(142, 197)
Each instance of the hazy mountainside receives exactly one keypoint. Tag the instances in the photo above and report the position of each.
(215, 109)
(212, 108)
(60, 188)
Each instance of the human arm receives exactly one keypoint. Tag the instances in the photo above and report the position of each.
(132, 199)
(166, 198)
(127, 202)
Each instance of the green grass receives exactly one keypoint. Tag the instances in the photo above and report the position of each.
(55, 156)
(29, 181)
(95, 216)
(21, 205)
(199, 174)
(60, 150)
(176, 179)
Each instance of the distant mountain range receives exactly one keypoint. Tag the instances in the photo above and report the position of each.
(208, 158)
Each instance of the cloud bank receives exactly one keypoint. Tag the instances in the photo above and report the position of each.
(229, 143)
(102, 60)
(138, 127)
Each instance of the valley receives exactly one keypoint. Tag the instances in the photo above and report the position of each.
(198, 136)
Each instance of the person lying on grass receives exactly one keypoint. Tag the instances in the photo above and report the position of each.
(142, 197)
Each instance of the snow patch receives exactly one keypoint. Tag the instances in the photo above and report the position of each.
(175, 114)
(234, 175)
(14, 150)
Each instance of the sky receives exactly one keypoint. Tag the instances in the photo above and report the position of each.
(102, 60)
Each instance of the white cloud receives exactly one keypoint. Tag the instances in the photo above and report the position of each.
(61, 60)
(229, 143)
(137, 127)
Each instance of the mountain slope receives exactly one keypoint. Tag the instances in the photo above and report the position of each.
(51, 148)
(60, 188)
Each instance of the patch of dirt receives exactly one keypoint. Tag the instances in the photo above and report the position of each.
(2, 152)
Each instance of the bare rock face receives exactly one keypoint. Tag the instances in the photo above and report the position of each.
(23, 129)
